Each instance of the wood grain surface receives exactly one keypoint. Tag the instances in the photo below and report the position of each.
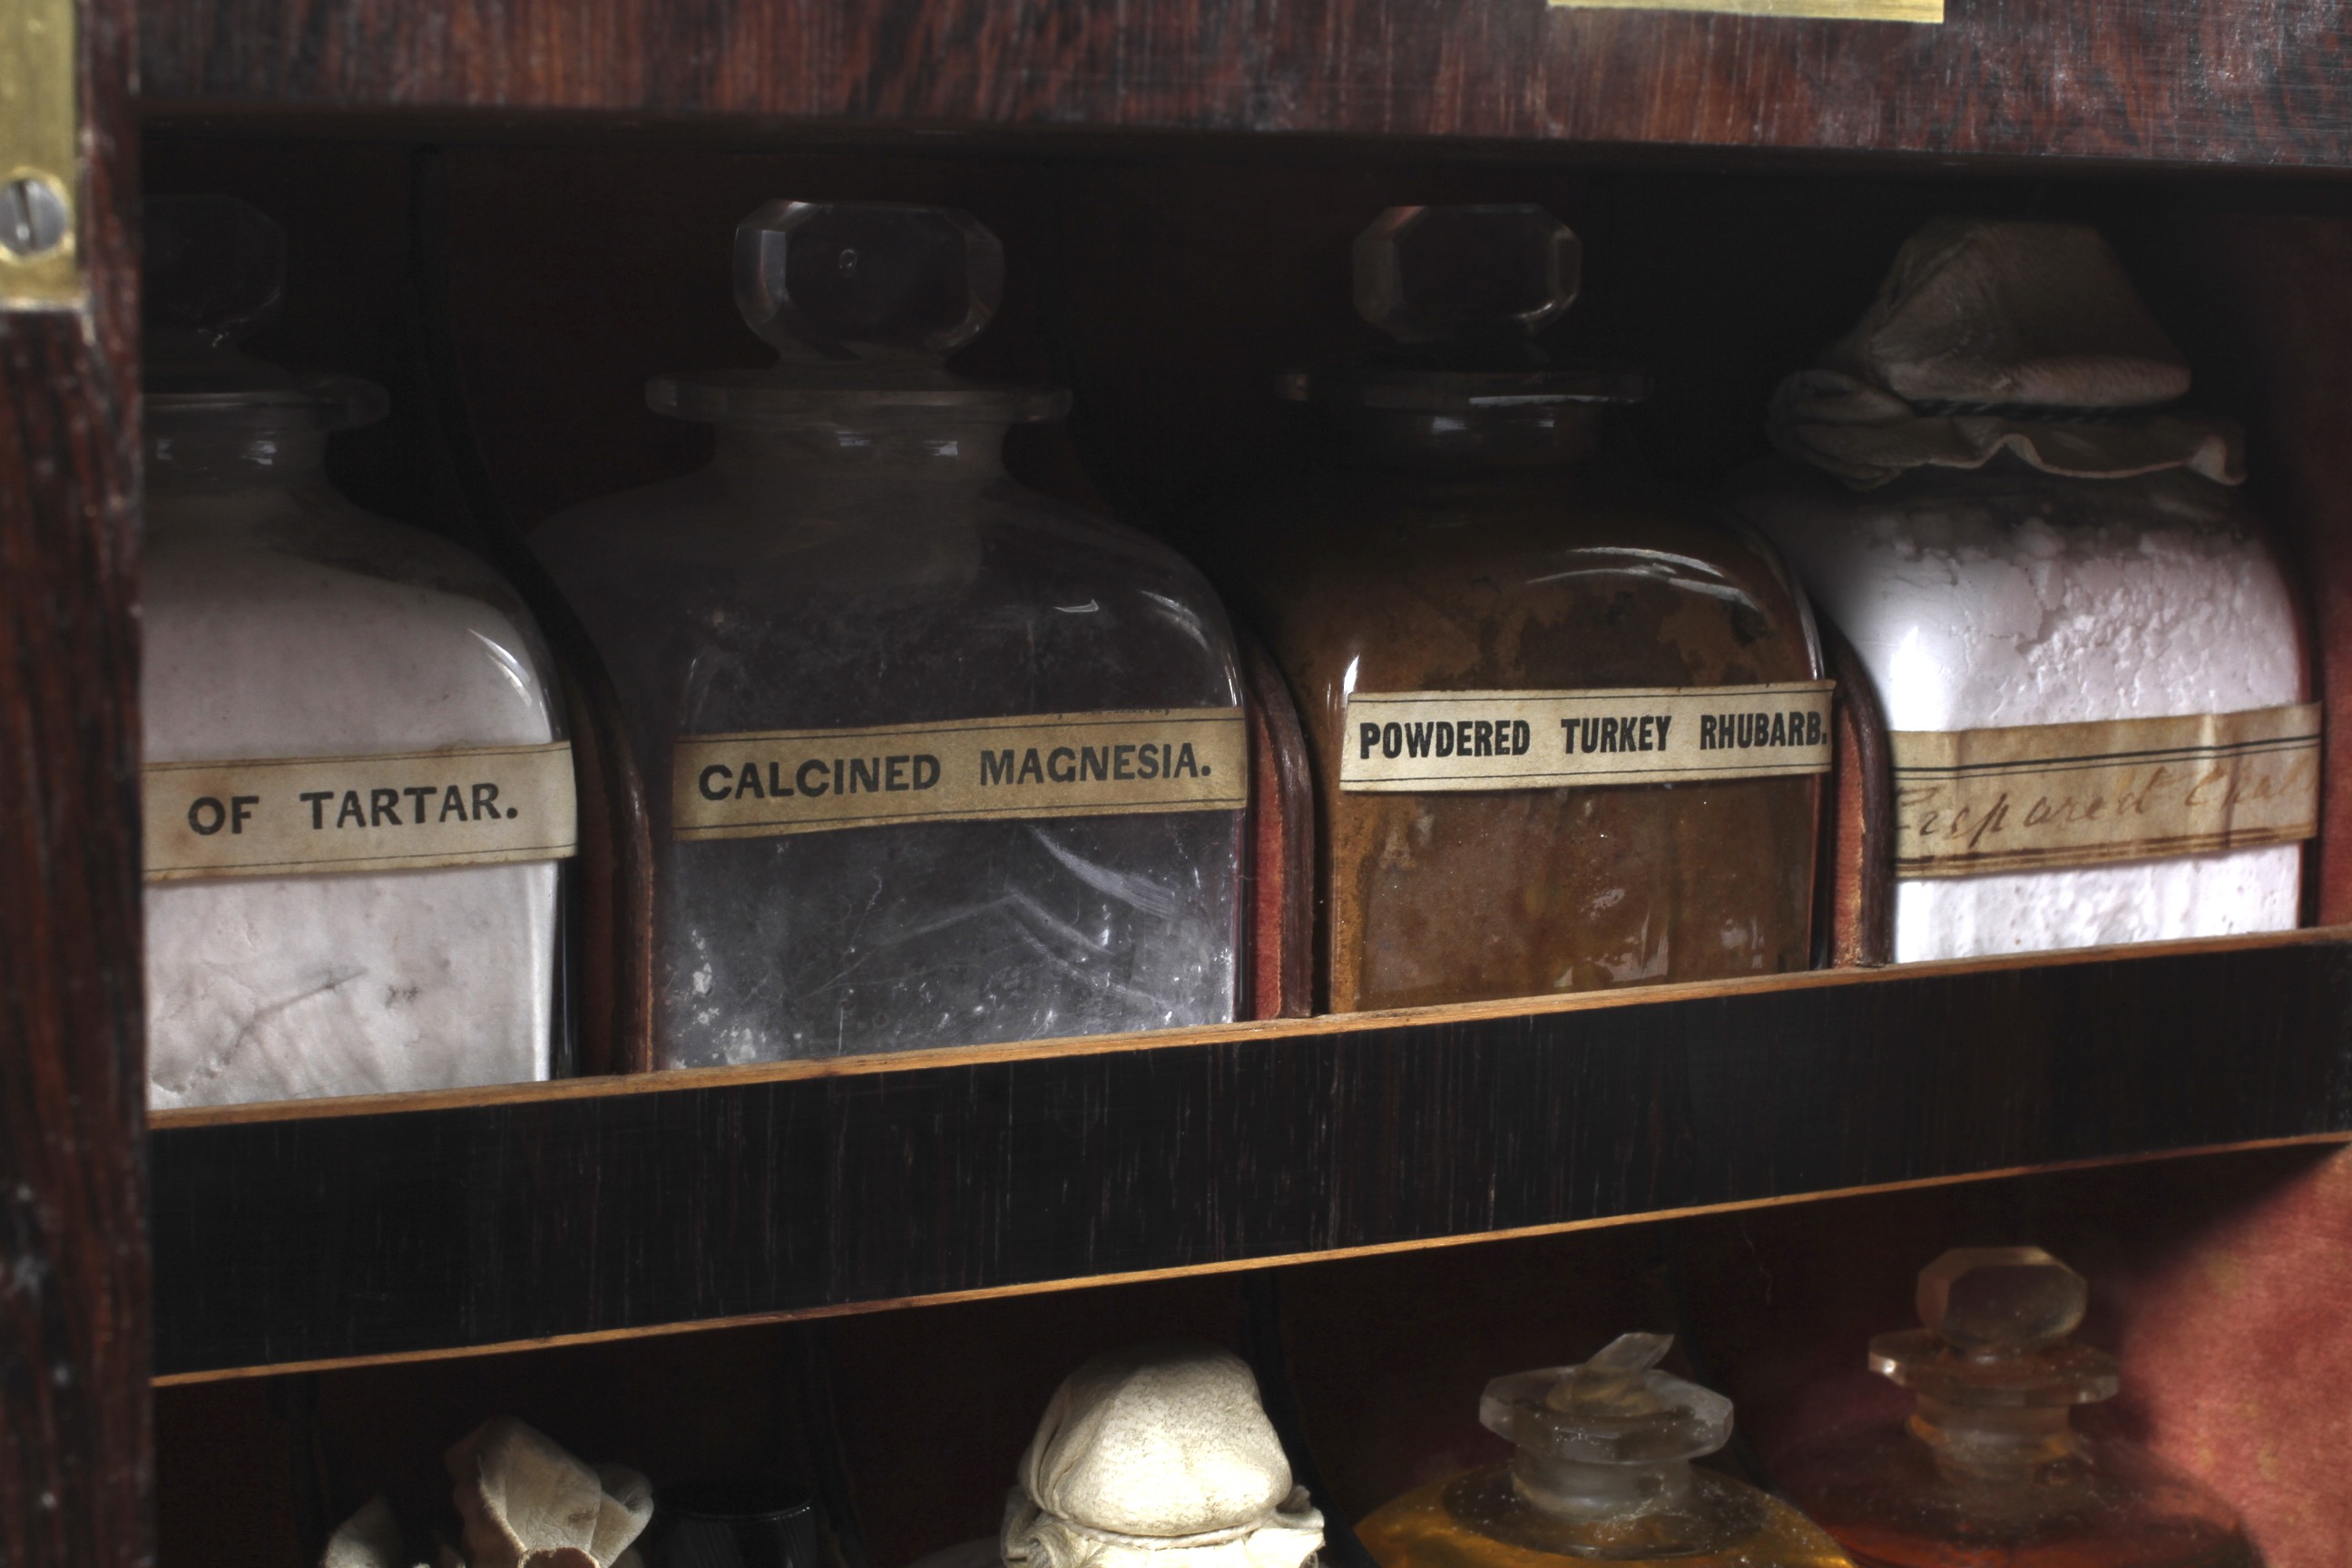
(2250, 81)
(353, 1237)
(75, 1468)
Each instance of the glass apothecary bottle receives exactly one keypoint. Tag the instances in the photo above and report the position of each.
(2080, 634)
(1602, 1472)
(356, 786)
(933, 760)
(1566, 724)
(1989, 1468)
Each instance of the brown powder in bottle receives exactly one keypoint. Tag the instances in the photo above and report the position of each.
(1512, 571)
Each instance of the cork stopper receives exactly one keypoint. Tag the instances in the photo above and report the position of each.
(1993, 1365)
(862, 302)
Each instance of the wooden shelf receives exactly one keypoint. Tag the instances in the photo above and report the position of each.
(336, 1233)
(2255, 82)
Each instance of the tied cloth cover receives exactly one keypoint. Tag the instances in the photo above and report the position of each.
(1159, 1457)
(525, 1502)
(1990, 338)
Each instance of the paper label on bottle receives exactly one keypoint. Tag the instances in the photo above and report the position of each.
(1926, 11)
(2036, 796)
(763, 784)
(1416, 742)
(479, 806)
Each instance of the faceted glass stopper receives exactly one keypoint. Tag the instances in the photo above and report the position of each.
(214, 269)
(1440, 274)
(2012, 1298)
(1997, 1321)
(865, 280)
(1614, 1409)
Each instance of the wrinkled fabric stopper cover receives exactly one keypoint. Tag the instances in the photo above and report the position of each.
(526, 1503)
(1161, 1453)
(529, 1504)
(1990, 338)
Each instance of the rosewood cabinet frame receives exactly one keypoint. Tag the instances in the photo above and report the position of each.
(661, 1205)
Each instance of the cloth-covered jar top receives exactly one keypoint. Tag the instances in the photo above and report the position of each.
(1999, 337)
(1153, 1449)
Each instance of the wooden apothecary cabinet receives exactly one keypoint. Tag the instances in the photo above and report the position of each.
(211, 1332)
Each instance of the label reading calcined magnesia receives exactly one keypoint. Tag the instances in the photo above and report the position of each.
(482, 806)
(768, 782)
(2038, 796)
(1413, 742)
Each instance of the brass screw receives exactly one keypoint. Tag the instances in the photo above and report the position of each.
(33, 218)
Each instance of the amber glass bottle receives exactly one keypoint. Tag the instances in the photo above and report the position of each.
(1989, 1471)
(1603, 1471)
(1515, 658)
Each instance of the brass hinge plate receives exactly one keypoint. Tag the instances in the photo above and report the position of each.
(40, 156)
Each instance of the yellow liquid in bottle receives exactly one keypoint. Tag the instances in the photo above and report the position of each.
(1476, 1520)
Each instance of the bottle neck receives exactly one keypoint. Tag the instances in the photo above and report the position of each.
(1527, 436)
(209, 457)
(1995, 1442)
(957, 452)
(1578, 1491)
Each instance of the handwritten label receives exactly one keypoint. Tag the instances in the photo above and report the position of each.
(1413, 742)
(1971, 801)
(767, 783)
(482, 806)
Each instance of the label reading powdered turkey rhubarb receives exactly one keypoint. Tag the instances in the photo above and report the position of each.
(1411, 742)
(483, 806)
(769, 782)
(1971, 801)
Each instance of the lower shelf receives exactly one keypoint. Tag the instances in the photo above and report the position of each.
(427, 1225)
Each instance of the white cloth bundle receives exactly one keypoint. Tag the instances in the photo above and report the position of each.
(1160, 1457)
(1983, 340)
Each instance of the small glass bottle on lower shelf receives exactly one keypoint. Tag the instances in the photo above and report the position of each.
(1603, 1472)
(934, 759)
(1989, 1469)
(356, 780)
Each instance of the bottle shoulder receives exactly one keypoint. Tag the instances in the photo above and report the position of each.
(2002, 596)
(295, 624)
(1527, 579)
(815, 612)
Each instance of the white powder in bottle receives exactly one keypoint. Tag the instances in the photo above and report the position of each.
(2027, 534)
(283, 623)
(2001, 599)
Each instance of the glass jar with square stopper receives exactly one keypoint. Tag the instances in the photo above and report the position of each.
(932, 759)
(1568, 725)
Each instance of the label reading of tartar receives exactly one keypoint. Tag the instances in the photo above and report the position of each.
(1411, 742)
(482, 806)
(768, 782)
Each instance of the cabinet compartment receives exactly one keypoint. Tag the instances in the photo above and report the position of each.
(2206, 1276)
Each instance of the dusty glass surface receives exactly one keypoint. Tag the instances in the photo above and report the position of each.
(280, 621)
(1602, 1473)
(2002, 596)
(1990, 1467)
(856, 557)
(1463, 531)
(1472, 571)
